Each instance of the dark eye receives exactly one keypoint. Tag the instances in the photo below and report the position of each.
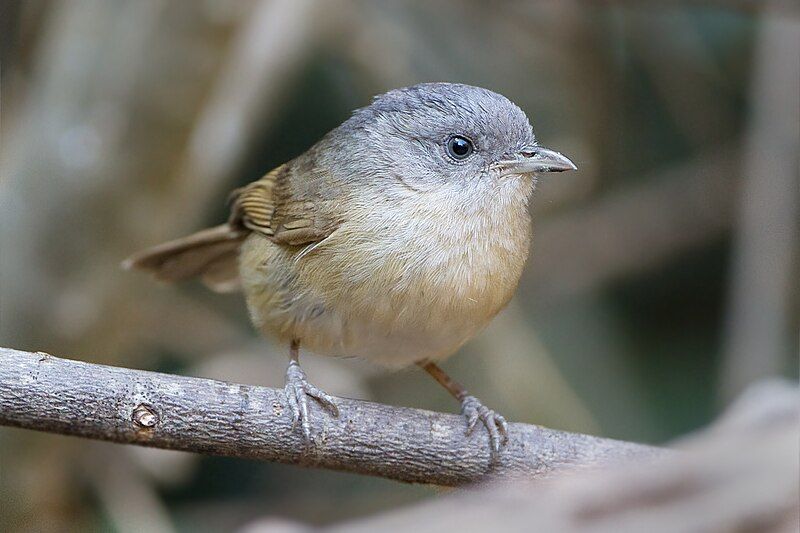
(459, 147)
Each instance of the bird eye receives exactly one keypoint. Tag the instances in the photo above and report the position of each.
(459, 148)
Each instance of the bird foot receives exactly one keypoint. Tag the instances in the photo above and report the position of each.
(474, 410)
(297, 391)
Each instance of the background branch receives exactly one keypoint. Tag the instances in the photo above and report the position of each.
(760, 329)
(46, 393)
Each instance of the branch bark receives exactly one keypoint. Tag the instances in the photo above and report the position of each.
(46, 393)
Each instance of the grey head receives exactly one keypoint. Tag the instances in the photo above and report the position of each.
(435, 133)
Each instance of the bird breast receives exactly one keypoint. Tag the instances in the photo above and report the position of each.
(446, 256)
(406, 278)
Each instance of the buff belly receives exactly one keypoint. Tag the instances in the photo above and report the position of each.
(374, 312)
(388, 330)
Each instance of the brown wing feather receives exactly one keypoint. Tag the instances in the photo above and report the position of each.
(283, 206)
(254, 205)
(208, 253)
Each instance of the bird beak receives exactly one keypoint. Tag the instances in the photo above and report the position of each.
(533, 159)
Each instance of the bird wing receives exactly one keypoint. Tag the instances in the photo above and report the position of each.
(283, 207)
(287, 206)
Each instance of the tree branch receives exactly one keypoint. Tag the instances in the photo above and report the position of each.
(46, 393)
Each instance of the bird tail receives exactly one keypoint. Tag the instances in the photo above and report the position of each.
(210, 254)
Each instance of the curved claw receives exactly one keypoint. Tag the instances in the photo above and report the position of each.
(495, 423)
(325, 399)
(472, 421)
(502, 425)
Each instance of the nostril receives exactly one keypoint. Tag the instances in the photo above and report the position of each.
(528, 153)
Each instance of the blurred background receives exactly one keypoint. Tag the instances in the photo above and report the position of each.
(663, 277)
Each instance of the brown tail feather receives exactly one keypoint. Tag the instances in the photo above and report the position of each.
(210, 254)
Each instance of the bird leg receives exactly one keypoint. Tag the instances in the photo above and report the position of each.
(471, 407)
(298, 389)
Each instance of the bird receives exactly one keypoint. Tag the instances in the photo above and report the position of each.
(395, 238)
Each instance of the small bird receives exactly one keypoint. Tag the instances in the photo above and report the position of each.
(395, 238)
